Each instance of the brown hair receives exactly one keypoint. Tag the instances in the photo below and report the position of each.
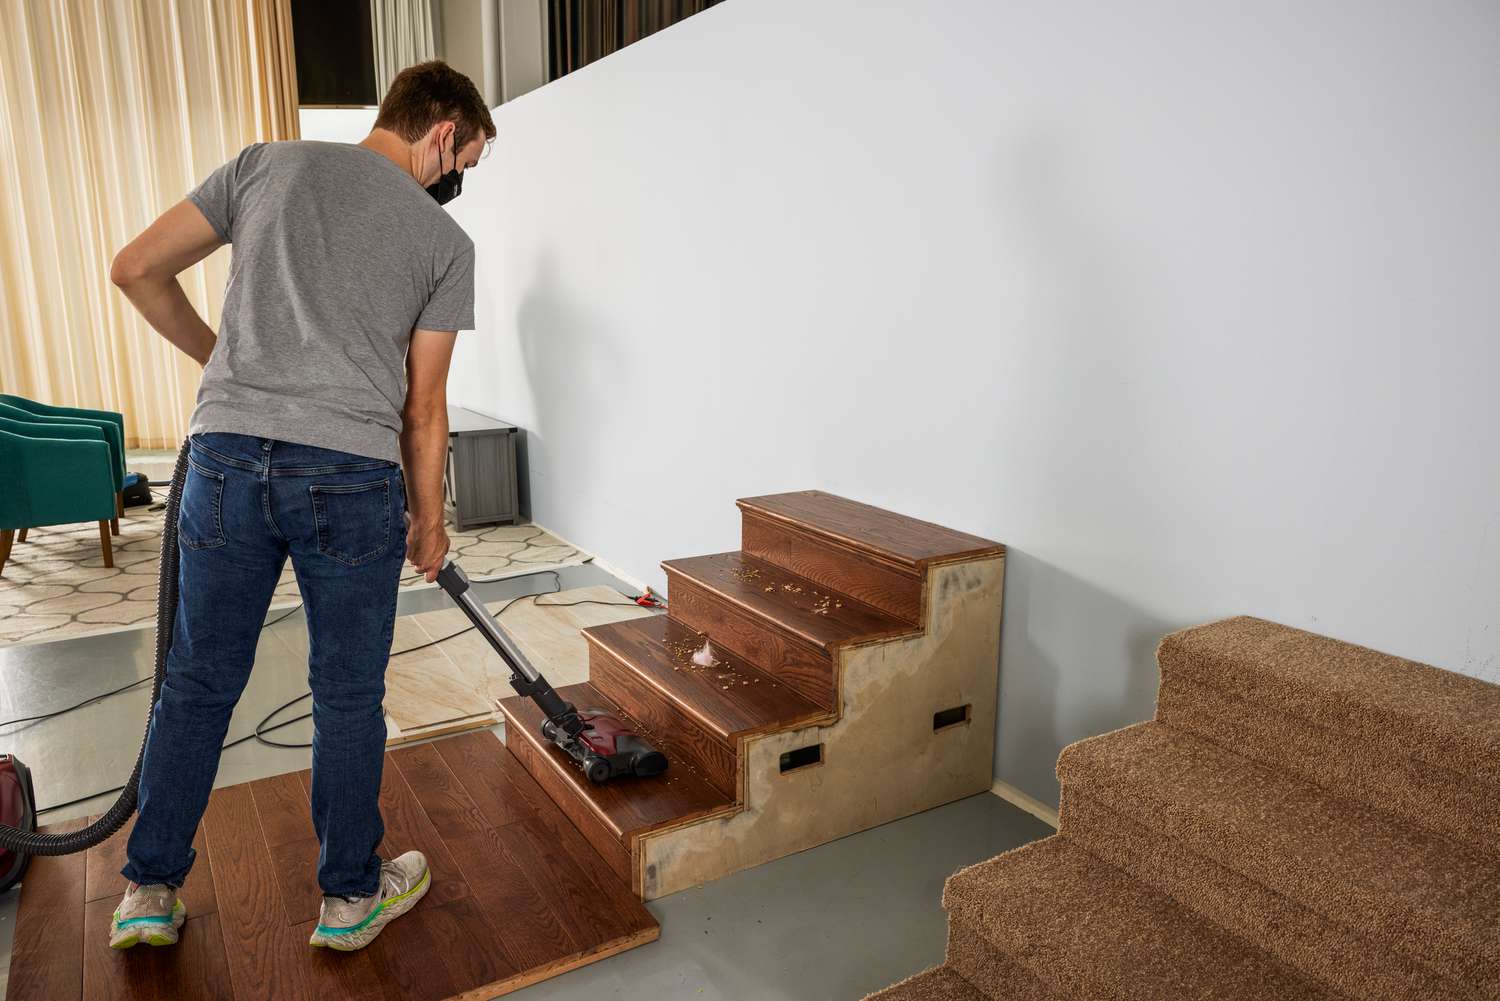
(428, 93)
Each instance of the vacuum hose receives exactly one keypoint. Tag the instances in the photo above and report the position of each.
(34, 843)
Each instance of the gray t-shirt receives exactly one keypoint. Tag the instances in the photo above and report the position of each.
(338, 255)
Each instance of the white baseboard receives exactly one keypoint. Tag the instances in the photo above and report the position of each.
(1015, 797)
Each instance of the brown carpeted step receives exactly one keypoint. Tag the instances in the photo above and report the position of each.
(1093, 933)
(1431, 796)
(1429, 898)
(994, 975)
(1367, 698)
(786, 625)
(936, 984)
(1326, 951)
(877, 556)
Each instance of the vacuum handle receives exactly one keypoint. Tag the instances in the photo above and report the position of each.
(456, 583)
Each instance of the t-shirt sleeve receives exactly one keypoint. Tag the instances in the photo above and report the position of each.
(451, 306)
(218, 196)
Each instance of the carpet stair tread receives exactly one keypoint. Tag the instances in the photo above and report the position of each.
(1337, 955)
(730, 699)
(1426, 795)
(937, 984)
(1446, 719)
(1095, 934)
(1428, 897)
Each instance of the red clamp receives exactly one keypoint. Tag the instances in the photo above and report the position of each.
(649, 600)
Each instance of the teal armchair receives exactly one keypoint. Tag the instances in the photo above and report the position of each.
(111, 423)
(65, 477)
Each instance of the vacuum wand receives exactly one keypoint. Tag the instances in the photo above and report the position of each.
(525, 679)
(599, 743)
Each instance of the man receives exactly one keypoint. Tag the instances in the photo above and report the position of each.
(320, 433)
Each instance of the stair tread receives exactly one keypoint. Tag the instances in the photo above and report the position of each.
(1092, 932)
(1434, 715)
(823, 618)
(937, 984)
(729, 699)
(629, 805)
(1344, 859)
(905, 541)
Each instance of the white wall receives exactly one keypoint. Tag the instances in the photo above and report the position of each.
(336, 125)
(1193, 304)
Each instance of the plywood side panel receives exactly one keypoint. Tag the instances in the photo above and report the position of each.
(881, 760)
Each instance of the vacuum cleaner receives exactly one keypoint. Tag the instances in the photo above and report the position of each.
(19, 838)
(598, 743)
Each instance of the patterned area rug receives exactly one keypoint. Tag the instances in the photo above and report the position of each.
(55, 584)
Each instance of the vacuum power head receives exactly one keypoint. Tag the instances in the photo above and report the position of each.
(599, 743)
(606, 748)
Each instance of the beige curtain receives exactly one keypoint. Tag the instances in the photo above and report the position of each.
(404, 33)
(110, 111)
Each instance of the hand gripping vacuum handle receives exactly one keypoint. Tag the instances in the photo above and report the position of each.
(525, 679)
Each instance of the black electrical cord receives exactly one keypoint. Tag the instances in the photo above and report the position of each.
(262, 729)
(259, 731)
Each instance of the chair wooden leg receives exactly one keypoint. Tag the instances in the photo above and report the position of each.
(119, 503)
(6, 535)
(114, 526)
(22, 536)
(105, 545)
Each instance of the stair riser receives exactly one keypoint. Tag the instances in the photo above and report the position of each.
(834, 565)
(993, 974)
(1360, 969)
(713, 759)
(1425, 795)
(791, 661)
(527, 749)
(1427, 914)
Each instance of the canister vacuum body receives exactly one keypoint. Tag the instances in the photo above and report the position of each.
(598, 743)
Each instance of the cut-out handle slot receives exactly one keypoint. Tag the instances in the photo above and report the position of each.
(950, 717)
(801, 758)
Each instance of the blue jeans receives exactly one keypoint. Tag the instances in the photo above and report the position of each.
(247, 505)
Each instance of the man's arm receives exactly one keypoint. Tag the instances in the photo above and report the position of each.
(146, 271)
(424, 446)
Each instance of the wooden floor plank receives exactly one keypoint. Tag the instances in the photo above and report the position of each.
(530, 932)
(103, 863)
(284, 809)
(194, 968)
(48, 947)
(266, 959)
(407, 828)
(511, 904)
(492, 776)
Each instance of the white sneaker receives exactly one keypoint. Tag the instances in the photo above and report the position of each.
(151, 914)
(347, 925)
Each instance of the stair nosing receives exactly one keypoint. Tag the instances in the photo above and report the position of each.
(918, 564)
(827, 650)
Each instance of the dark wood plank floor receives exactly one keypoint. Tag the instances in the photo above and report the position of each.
(517, 896)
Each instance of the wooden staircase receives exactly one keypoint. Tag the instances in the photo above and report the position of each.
(858, 659)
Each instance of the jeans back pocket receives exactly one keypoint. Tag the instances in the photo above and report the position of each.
(200, 519)
(353, 520)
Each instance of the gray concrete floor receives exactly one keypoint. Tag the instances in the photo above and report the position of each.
(832, 923)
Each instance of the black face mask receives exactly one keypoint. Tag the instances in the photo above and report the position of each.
(451, 184)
